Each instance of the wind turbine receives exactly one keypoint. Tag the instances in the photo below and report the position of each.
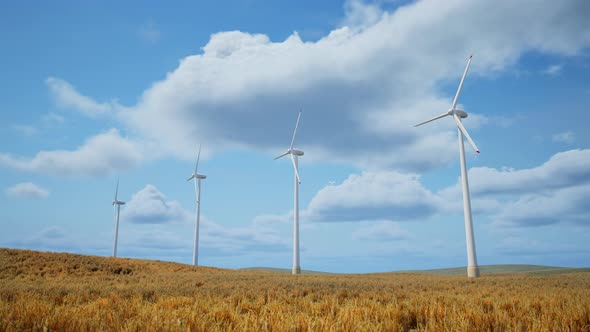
(197, 180)
(117, 205)
(457, 114)
(295, 154)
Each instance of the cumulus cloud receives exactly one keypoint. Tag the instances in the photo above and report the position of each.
(149, 206)
(381, 231)
(556, 191)
(360, 92)
(99, 155)
(564, 169)
(563, 205)
(380, 195)
(68, 97)
(27, 190)
(566, 137)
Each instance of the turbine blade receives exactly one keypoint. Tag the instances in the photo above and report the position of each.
(295, 131)
(295, 168)
(464, 131)
(198, 157)
(117, 190)
(461, 84)
(284, 154)
(435, 118)
(192, 177)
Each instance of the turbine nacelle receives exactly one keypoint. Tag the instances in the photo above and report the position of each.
(460, 113)
(298, 153)
(294, 152)
(197, 176)
(118, 203)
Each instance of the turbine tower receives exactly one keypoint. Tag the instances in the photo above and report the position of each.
(117, 205)
(197, 180)
(457, 114)
(295, 154)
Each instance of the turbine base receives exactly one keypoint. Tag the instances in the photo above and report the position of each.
(473, 271)
(296, 270)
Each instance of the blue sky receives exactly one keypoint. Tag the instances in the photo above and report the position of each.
(92, 91)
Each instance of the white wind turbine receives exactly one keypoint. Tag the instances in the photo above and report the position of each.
(197, 180)
(117, 205)
(457, 114)
(295, 154)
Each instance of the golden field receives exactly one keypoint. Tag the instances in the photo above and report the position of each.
(65, 292)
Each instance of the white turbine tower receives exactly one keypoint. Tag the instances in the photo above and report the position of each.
(197, 180)
(457, 114)
(295, 154)
(117, 205)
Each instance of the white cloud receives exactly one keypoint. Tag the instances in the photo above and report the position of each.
(373, 196)
(27, 190)
(149, 206)
(557, 206)
(360, 14)
(381, 231)
(553, 70)
(562, 170)
(99, 155)
(68, 97)
(556, 191)
(360, 92)
(566, 137)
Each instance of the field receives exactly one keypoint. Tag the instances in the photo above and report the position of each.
(65, 292)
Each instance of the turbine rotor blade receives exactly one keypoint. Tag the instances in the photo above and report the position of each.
(284, 154)
(192, 177)
(464, 131)
(295, 168)
(461, 83)
(295, 131)
(433, 119)
(117, 190)
(198, 157)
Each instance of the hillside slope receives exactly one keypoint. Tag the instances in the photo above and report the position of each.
(65, 292)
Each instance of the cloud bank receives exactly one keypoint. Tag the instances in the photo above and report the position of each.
(27, 190)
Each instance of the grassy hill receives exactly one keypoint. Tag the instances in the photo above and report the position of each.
(42, 291)
(458, 271)
(278, 270)
(16, 262)
(504, 269)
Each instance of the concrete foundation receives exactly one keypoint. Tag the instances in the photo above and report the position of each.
(296, 270)
(473, 271)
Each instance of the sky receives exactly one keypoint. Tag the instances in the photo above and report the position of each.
(94, 91)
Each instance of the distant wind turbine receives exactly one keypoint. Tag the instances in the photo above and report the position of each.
(457, 114)
(197, 180)
(294, 159)
(117, 205)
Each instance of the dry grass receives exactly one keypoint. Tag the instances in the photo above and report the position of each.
(64, 292)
